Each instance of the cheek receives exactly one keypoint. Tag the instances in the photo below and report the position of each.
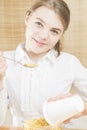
(53, 41)
(28, 32)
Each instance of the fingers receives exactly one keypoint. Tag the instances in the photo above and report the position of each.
(60, 96)
(67, 121)
(73, 117)
(3, 66)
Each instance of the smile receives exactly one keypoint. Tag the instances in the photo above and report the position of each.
(39, 43)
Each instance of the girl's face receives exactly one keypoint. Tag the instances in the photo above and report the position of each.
(43, 30)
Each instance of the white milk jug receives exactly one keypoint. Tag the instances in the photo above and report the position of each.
(56, 112)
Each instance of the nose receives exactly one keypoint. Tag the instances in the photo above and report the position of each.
(44, 34)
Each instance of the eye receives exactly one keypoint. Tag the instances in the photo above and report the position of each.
(54, 32)
(39, 24)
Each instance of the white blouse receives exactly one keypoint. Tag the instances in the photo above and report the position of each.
(28, 88)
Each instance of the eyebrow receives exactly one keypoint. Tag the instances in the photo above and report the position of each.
(58, 29)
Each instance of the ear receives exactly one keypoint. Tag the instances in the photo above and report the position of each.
(27, 18)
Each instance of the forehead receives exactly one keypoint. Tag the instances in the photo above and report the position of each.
(48, 16)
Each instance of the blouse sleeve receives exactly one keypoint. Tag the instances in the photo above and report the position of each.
(80, 78)
(3, 105)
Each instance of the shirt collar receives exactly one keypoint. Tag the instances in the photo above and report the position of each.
(51, 56)
(20, 54)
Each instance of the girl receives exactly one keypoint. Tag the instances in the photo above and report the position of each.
(55, 72)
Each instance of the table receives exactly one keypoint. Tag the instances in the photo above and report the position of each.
(19, 128)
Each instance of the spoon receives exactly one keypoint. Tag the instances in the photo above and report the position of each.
(25, 65)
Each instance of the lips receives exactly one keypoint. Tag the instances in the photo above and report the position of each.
(39, 43)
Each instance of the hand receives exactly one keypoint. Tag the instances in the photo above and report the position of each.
(60, 96)
(73, 117)
(83, 113)
(3, 67)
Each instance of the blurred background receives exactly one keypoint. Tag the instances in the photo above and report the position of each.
(12, 30)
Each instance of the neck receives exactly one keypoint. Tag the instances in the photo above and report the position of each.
(33, 56)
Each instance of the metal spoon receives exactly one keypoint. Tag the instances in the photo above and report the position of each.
(25, 65)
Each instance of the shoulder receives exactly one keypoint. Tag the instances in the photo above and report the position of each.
(68, 56)
(10, 54)
(13, 53)
(64, 58)
(67, 59)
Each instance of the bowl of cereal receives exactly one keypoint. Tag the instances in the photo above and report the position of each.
(39, 124)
